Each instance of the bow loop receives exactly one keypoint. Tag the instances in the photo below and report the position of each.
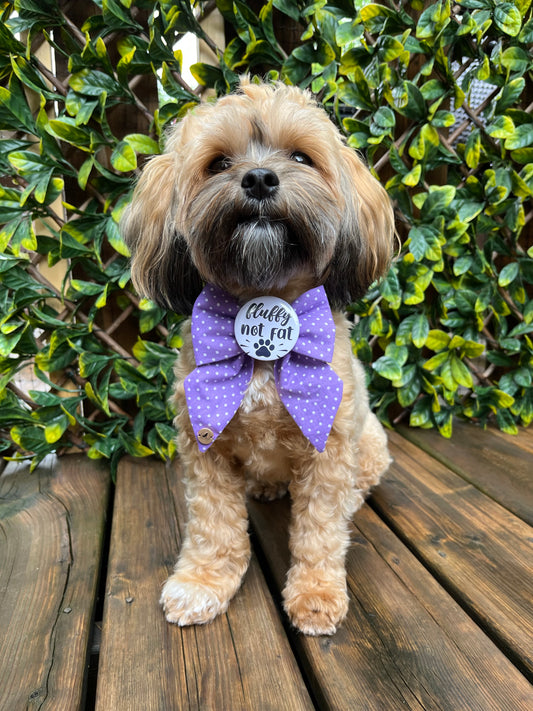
(213, 316)
(317, 328)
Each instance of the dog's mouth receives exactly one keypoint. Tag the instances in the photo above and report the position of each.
(259, 222)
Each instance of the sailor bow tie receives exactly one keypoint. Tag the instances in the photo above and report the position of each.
(307, 386)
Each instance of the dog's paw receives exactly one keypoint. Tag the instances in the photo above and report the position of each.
(317, 612)
(190, 603)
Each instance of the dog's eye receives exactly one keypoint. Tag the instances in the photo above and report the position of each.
(303, 158)
(220, 164)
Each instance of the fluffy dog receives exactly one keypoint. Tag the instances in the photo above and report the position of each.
(257, 195)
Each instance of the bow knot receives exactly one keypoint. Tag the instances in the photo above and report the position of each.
(307, 385)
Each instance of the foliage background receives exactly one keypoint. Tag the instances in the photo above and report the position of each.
(448, 330)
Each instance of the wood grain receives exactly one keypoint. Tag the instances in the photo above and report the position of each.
(240, 661)
(51, 532)
(480, 551)
(498, 464)
(405, 643)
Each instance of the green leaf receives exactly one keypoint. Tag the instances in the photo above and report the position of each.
(418, 242)
(506, 422)
(445, 426)
(508, 274)
(510, 94)
(460, 372)
(523, 137)
(86, 288)
(424, 240)
(438, 199)
(443, 119)
(473, 149)
(9, 343)
(507, 18)
(526, 36)
(113, 10)
(288, 7)
(133, 446)
(388, 368)
(412, 178)
(462, 265)
(389, 48)
(421, 414)
(123, 157)
(55, 429)
(437, 340)
(30, 77)
(205, 74)
(383, 121)
(515, 59)
(142, 144)
(85, 171)
(93, 82)
(501, 127)
(66, 130)
(115, 238)
(420, 330)
(317, 51)
(14, 110)
(398, 353)
(411, 101)
(390, 288)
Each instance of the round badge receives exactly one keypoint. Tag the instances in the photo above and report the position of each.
(267, 328)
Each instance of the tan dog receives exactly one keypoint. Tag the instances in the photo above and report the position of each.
(258, 195)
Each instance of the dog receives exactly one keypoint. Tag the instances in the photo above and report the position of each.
(257, 207)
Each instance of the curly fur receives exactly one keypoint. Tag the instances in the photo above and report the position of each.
(326, 221)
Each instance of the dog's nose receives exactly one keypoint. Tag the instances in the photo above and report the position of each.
(260, 183)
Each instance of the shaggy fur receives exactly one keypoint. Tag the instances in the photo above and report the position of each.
(258, 194)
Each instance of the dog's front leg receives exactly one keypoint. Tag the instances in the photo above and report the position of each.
(324, 499)
(216, 550)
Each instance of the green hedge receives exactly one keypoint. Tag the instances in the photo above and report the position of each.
(448, 330)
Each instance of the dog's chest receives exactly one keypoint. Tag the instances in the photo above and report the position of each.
(261, 392)
(262, 429)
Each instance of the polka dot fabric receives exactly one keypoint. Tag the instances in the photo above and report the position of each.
(308, 387)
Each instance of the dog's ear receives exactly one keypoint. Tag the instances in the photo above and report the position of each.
(161, 265)
(366, 237)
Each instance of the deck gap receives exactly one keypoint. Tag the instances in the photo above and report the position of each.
(318, 701)
(96, 632)
(451, 591)
(463, 473)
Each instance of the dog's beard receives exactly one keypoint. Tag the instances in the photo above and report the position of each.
(263, 253)
(245, 249)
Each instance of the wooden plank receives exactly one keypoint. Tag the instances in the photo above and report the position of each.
(51, 525)
(498, 464)
(405, 642)
(479, 550)
(240, 661)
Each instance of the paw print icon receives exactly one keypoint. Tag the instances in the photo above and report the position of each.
(263, 348)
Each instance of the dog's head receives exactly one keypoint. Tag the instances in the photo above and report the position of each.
(251, 192)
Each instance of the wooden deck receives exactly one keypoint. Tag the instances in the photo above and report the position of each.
(440, 575)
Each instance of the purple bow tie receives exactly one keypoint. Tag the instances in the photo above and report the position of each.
(308, 387)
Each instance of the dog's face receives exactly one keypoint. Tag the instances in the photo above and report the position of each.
(252, 192)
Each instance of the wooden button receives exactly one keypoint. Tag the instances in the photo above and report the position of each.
(205, 435)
